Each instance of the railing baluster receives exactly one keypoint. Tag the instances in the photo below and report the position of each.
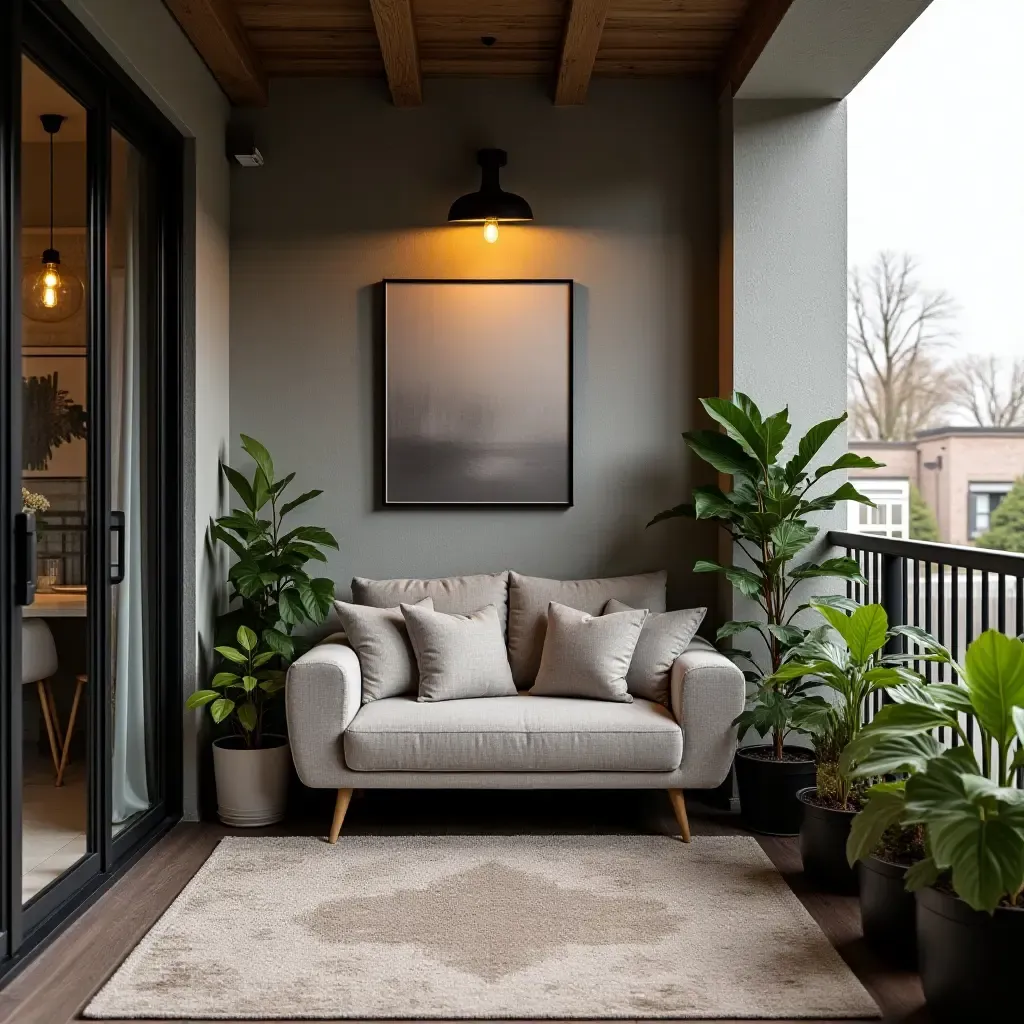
(928, 665)
(1018, 586)
(941, 635)
(1001, 604)
(984, 602)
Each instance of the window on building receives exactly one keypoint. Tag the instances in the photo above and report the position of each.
(982, 501)
(891, 514)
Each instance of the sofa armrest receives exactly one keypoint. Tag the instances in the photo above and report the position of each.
(323, 693)
(708, 692)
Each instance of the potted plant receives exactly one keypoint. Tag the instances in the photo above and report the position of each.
(274, 594)
(852, 671)
(970, 884)
(766, 514)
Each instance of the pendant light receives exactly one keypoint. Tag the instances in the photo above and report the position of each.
(490, 205)
(48, 293)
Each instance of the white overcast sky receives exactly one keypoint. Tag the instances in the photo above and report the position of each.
(936, 164)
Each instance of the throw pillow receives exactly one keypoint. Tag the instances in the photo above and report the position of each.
(528, 609)
(381, 642)
(664, 637)
(459, 595)
(587, 655)
(459, 656)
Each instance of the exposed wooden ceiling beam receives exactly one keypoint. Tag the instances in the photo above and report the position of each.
(758, 26)
(218, 36)
(397, 35)
(579, 49)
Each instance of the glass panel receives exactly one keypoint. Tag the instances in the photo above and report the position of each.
(55, 688)
(131, 309)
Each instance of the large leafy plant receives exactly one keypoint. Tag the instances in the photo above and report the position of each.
(242, 692)
(964, 796)
(766, 514)
(270, 578)
(852, 671)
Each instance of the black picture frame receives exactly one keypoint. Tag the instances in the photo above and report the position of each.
(386, 497)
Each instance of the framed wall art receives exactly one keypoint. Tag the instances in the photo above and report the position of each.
(477, 393)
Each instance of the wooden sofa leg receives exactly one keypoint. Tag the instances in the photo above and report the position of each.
(679, 806)
(340, 810)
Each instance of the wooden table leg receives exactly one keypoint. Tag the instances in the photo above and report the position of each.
(44, 705)
(79, 683)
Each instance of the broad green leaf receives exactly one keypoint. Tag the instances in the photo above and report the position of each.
(249, 683)
(705, 565)
(1018, 724)
(721, 452)
(870, 755)
(848, 460)
(312, 534)
(845, 492)
(923, 639)
(272, 686)
(221, 708)
(838, 568)
(749, 584)
(883, 810)
(786, 635)
(261, 659)
(262, 491)
(280, 643)
(201, 697)
(224, 679)
(247, 639)
(232, 655)
(279, 485)
(736, 626)
(922, 875)
(260, 456)
(809, 446)
(866, 632)
(684, 511)
(236, 545)
(712, 503)
(241, 486)
(290, 606)
(775, 431)
(994, 669)
(790, 538)
(907, 720)
(247, 716)
(738, 426)
(814, 715)
(300, 500)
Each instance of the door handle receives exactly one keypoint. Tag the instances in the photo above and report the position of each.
(24, 558)
(117, 529)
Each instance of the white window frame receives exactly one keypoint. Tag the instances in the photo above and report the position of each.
(891, 495)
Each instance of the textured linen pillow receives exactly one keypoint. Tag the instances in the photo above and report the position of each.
(459, 656)
(381, 642)
(528, 598)
(664, 637)
(588, 655)
(458, 595)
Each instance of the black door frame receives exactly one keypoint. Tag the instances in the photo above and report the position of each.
(45, 31)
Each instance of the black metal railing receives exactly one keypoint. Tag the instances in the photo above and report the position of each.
(955, 593)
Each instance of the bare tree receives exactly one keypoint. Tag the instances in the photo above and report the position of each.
(989, 390)
(897, 332)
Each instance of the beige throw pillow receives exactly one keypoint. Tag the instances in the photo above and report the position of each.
(459, 656)
(380, 639)
(587, 655)
(664, 637)
(528, 599)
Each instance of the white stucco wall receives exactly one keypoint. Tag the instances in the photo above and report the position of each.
(145, 40)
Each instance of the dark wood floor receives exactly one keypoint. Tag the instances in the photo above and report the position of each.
(59, 982)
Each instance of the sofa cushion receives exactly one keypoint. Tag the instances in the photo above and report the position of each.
(381, 642)
(459, 656)
(587, 655)
(513, 734)
(458, 595)
(528, 609)
(664, 637)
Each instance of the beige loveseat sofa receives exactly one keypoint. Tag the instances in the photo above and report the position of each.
(341, 742)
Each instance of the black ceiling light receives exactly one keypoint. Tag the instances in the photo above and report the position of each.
(490, 204)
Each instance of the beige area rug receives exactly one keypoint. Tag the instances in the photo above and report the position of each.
(485, 927)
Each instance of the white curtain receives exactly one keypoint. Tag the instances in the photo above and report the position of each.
(131, 788)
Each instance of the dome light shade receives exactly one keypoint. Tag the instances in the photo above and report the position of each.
(490, 203)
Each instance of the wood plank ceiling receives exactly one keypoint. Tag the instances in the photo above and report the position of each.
(247, 42)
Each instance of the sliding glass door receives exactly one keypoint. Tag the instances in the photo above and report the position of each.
(90, 430)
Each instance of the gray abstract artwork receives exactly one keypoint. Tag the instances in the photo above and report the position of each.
(478, 392)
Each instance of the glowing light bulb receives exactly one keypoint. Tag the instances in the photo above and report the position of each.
(50, 280)
(491, 230)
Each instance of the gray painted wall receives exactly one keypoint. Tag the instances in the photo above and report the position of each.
(353, 190)
(146, 41)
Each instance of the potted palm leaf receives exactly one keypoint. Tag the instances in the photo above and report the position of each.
(766, 513)
(969, 886)
(273, 593)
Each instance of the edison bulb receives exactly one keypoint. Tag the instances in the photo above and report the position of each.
(49, 295)
(491, 230)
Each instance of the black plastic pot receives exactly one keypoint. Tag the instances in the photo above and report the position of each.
(888, 912)
(970, 961)
(823, 835)
(768, 790)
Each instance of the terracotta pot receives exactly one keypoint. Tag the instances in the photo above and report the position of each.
(823, 835)
(768, 790)
(252, 785)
